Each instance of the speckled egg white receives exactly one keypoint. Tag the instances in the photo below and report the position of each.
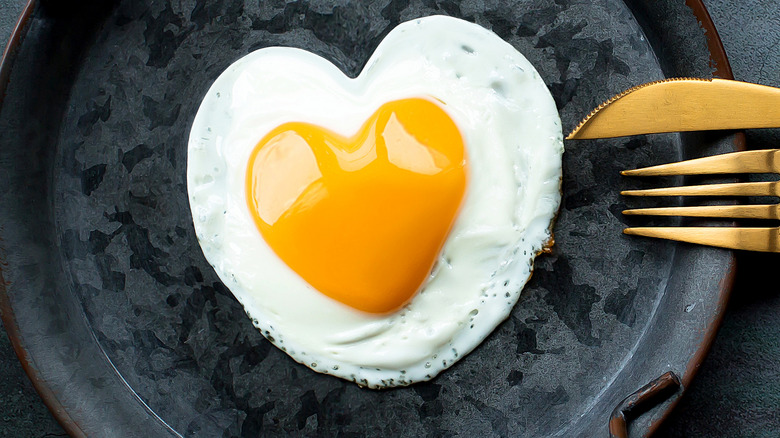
(513, 138)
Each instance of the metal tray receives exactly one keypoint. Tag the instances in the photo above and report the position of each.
(125, 329)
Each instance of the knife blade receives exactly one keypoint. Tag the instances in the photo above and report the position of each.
(683, 104)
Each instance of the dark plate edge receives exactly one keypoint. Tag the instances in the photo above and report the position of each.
(718, 59)
(14, 41)
(6, 312)
(722, 69)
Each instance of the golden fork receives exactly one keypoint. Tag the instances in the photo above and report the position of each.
(751, 239)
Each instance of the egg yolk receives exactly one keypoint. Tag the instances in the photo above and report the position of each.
(362, 219)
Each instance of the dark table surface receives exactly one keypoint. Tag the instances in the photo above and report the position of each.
(737, 390)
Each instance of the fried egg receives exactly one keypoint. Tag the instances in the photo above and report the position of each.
(378, 228)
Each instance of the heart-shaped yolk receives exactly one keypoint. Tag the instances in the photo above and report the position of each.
(362, 219)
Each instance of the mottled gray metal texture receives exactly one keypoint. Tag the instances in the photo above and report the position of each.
(126, 320)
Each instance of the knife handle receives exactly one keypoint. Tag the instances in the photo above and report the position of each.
(752, 105)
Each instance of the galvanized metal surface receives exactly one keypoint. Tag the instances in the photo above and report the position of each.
(569, 286)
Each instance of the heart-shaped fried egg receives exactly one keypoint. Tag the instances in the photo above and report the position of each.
(378, 228)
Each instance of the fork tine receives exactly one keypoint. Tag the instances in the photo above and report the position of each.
(763, 161)
(749, 239)
(726, 211)
(730, 189)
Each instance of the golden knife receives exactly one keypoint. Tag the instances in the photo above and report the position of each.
(683, 104)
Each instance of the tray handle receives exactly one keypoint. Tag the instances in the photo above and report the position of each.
(640, 401)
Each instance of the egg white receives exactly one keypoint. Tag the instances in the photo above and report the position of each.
(512, 133)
